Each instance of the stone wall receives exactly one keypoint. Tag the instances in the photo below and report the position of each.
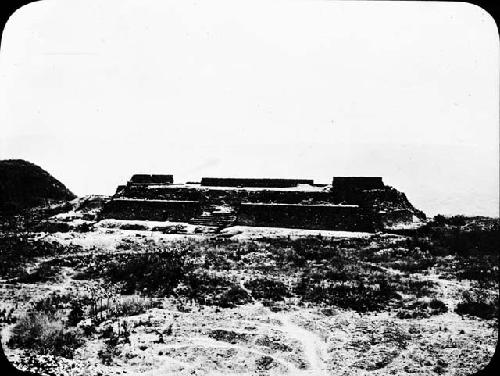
(152, 210)
(152, 179)
(327, 217)
(249, 182)
(227, 197)
(357, 182)
(170, 192)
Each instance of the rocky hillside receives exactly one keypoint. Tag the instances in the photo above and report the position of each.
(390, 205)
(390, 200)
(25, 185)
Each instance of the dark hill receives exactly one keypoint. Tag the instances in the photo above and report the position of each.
(25, 185)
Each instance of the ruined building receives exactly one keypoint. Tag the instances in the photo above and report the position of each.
(348, 203)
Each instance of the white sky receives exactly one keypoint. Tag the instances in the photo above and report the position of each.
(94, 91)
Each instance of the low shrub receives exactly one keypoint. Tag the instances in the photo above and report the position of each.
(477, 303)
(208, 289)
(16, 250)
(228, 336)
(133, 226)
(264, 288)
(412, 314)
(418, 288)
(233, 297)
(6, 316)
(422, 309)
(52, 303)
(413, 264)
(52, 226)
(355, 295)
(265, 363)
(129, 308)
(45, 272)
(483, 269)
(108, 352)
(76, 313)
(112, 339)
(438, 306)
(45, 334)
(483, 310)
(158, 273)
(273, 343)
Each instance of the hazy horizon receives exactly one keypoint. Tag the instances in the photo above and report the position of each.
(94, 92)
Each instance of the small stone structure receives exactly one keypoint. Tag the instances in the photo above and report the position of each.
(151, 179)
(357, 182)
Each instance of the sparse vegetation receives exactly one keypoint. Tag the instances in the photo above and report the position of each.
(18, 249)
(422, 309)
(45, 334)
(265, 363)
(356, 296)
(210, 289)
(228, 336)
(438, 306)
(110, 350)
(43, 273)
(155, 272)
(477, 303)
(146, 296)
(267, 289)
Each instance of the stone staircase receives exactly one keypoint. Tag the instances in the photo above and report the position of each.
(214, 218)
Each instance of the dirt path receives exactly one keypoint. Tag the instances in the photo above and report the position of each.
(310, 341)
(249, 292)
(311, 344)
(206, 343)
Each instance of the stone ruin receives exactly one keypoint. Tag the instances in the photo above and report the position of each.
(349, 203)
(256, 183)
(151, 179)
(357, 182)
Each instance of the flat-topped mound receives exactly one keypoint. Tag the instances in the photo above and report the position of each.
(351, 203)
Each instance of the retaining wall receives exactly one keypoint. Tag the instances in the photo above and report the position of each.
(229, 197)
(357, 182)
(153, 210)
(250, 182)
(327, 217)
(152, 179)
